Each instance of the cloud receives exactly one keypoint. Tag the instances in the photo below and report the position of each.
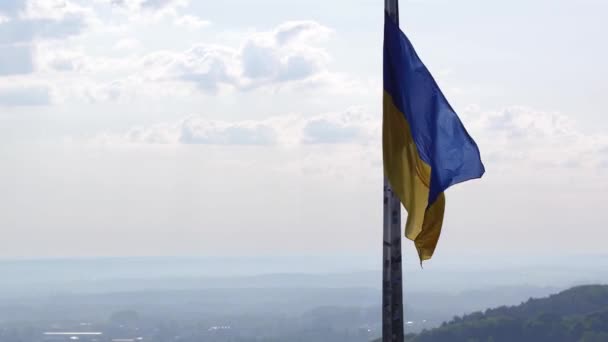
(288, 53)
(352, 126)
(324, 131)
(524, 137)
(50, 57)
(301, 31)
(261, 60)
(288, 57)
(14, 96)
(29, 22)
(195, 131)
(63, 61)
(156, 9)
(155, 4)
(191, 22)
(127, 44)
(161, 4)
(111, 91)
(512, 138)
(207, 67)
(300, 67)
(15, 60)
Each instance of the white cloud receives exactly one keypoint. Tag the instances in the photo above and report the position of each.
(57, 10)
(161, 4)
(110, 91)
(91, 69)
(62, 60)
(524, 137)
(352, 126)
(127, 44)
(191, 21)
(25, 26)
(513, 138)
(288, 57)
(309, 31)
(146, 10)
(260, 61)
(26, 23)
(193, 131)
(207, 67)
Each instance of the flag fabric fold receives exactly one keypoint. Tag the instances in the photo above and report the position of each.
(426, 148)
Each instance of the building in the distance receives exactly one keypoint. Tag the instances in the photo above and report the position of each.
(72, 336)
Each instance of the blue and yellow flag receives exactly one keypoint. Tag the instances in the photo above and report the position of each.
(426, 149)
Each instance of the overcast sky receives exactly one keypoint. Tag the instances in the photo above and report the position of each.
(176, 127)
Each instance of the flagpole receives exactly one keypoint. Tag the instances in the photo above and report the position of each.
(392, 285)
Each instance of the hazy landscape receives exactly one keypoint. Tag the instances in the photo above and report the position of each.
(192, 299)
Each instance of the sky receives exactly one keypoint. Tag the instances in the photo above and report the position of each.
(176, 127)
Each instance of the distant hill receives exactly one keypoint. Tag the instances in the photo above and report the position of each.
(579, 314)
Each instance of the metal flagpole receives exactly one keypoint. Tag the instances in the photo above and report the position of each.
(392, 286)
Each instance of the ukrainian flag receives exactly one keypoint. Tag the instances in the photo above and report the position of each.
(426, 149)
